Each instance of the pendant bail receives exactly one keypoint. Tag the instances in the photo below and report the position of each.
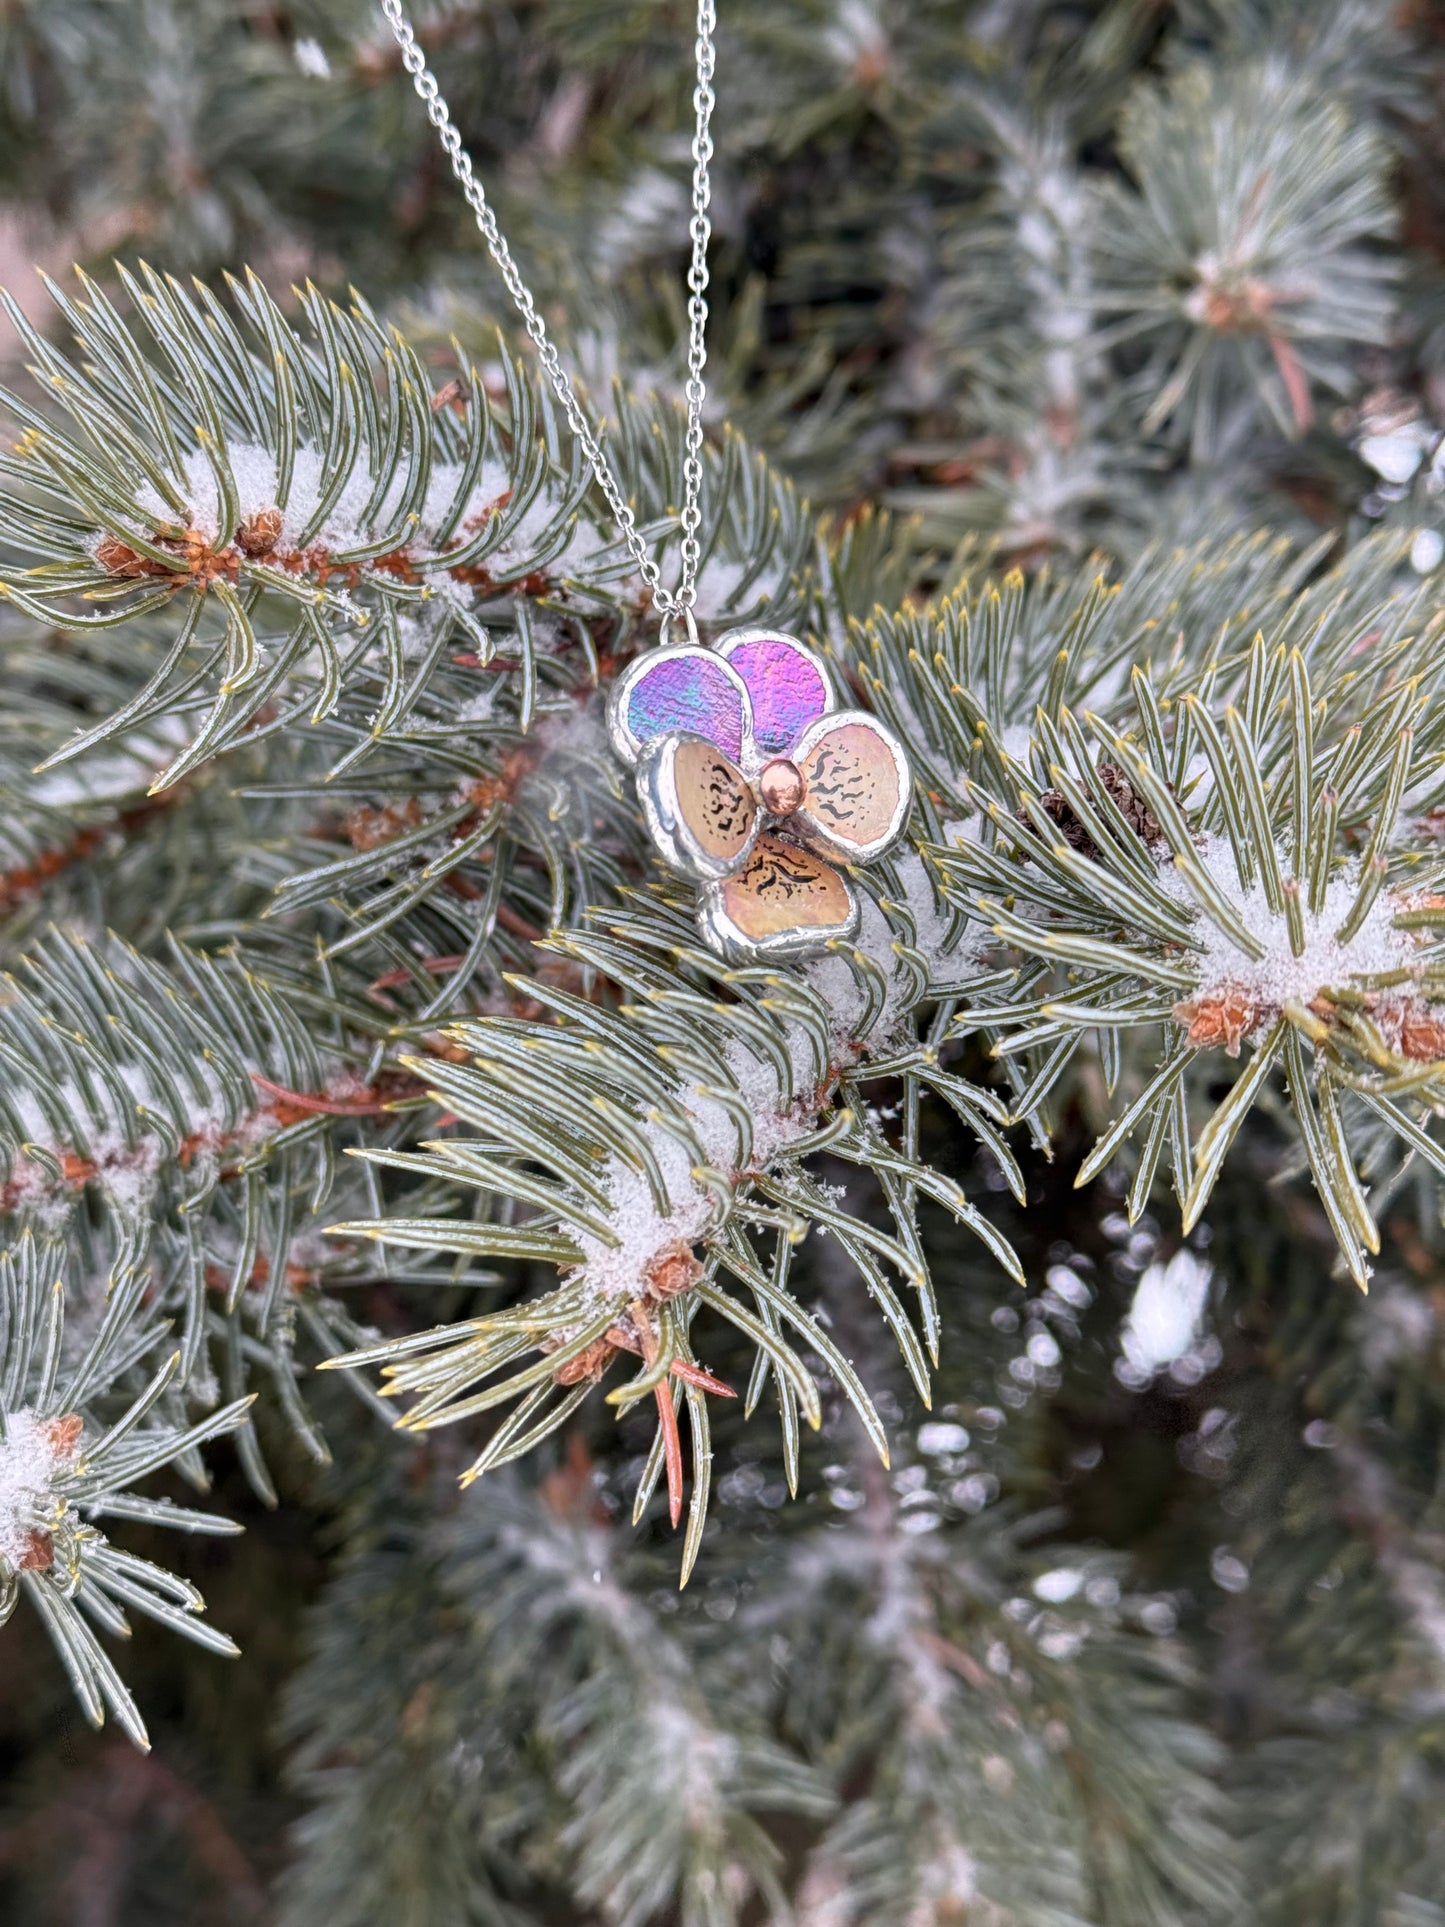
(669, 615)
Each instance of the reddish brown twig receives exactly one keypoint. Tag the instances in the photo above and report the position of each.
(1294, 378)
(703, 1380)
(438, 966)
(672, 1450)
(313, 1103)
(519, 926)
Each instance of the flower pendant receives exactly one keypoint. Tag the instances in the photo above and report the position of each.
(755, 786)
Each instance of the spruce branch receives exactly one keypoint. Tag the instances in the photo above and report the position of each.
(135, 1110)
(230, 471)
(1246, 257)
(73, 1441)
(307, 517)
(1230, 906)
(327, 559)
(650, 1143)
(1234, 837)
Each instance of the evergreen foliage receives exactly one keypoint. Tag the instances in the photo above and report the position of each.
(1019, 1327)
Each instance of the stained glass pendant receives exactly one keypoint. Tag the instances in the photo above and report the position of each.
(755, 786)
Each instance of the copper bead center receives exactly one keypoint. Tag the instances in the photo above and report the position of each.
(781, 787)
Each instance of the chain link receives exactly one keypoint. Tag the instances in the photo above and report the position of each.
(681, 601)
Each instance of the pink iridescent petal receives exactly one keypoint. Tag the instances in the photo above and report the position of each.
(786, 682)
(685, 689)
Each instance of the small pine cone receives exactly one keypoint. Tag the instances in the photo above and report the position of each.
(1060, 811)
(39, 1553)
(1226, 1015)
(259, 533)
(591, 1362)
(121, 559)
(1420, 1034)
(671, 1272)
(1130, 805)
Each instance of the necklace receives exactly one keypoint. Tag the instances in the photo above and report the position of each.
(752, 782)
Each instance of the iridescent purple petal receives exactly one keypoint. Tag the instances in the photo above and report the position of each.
(787, 686)
(689, 690)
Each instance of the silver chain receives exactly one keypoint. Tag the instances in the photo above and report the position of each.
(682, 600)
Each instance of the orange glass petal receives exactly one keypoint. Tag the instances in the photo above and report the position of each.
(781, 888)
(852, 785)
(713, 800)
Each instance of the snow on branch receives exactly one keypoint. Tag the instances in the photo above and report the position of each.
(290, 503)
(1248, 868)
(651, 1144)
(79, 1429)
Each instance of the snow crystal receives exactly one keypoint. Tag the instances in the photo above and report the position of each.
(1279, 975)
(645, 1231)
(33, 1122)
(311, 59)
(1059, 1585)
(129, 1175)
(30, 1455)
(1427, 551)
(722, 582)
(254, 470)
(441, 489)
(1396, 455)
(776, 1122)
(198, 487)
(417, 627)
(522, 542)
(575, 731)
(616, 1271)
(31, 1192)
(1164, 1317)
(948, 946)
(343, 527)
(478, 708)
